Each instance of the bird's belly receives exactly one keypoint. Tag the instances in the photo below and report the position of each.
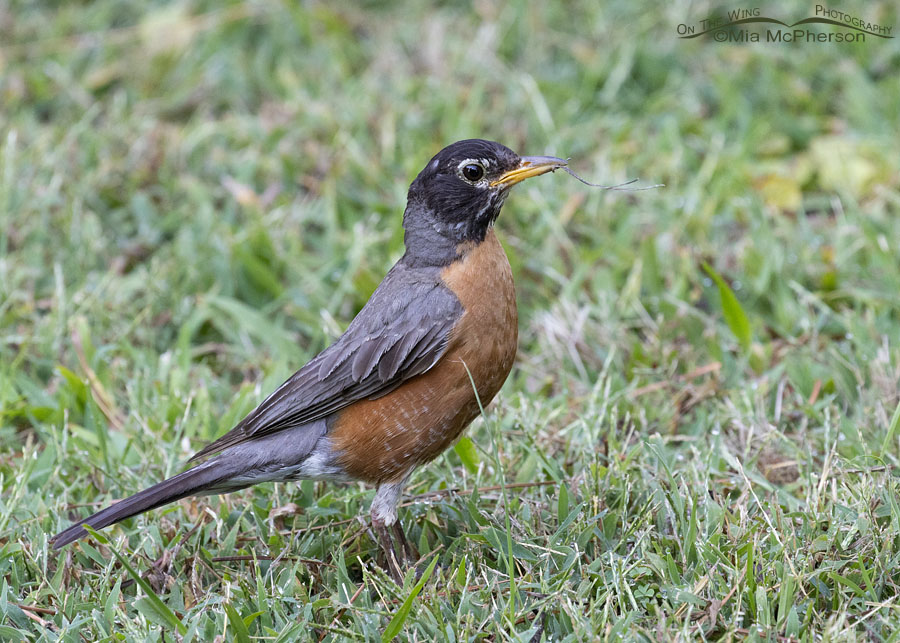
(381, 440)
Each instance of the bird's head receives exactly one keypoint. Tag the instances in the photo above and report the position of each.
(457, 197)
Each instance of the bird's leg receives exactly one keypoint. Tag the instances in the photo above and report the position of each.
(386, 526)
(409, 550)
(387, 546)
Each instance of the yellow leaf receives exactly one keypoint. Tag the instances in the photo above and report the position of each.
(167, 30)
(780, 192)
(844, 164)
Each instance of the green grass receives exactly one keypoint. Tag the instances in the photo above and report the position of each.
(701, 432)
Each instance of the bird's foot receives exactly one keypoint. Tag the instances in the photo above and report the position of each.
(410, 554)
(392, 560)
(399, 553)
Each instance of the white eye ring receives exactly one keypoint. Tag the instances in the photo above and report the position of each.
(472, 170)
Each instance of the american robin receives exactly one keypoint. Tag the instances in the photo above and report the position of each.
(435, 341)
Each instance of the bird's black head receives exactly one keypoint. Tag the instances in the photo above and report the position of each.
(458, 195)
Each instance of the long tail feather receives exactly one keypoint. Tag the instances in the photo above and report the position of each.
(207, 478)
(274, 457)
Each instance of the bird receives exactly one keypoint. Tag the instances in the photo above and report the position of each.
(431, 347)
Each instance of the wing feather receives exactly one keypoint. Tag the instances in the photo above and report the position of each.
(400, 333)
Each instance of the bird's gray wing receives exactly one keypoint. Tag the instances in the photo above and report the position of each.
(401, 332)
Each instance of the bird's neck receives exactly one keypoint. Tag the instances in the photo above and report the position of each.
(432, 242)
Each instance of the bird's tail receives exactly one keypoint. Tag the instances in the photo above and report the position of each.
(213, 476)
(270, 458)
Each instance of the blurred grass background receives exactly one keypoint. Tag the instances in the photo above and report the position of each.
(196, 197)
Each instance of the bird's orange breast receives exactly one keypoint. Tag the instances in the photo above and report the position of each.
(382, 440)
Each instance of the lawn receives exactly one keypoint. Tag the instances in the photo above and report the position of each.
(700, 438)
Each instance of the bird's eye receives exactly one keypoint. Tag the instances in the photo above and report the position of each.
(472, 172)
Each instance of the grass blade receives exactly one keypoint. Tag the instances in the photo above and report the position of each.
(465, 449)
(396, 624)
(892, 431)
(152, 605)
(732, 310)
(238, 627)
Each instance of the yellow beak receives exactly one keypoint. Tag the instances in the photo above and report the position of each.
(528, 167)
